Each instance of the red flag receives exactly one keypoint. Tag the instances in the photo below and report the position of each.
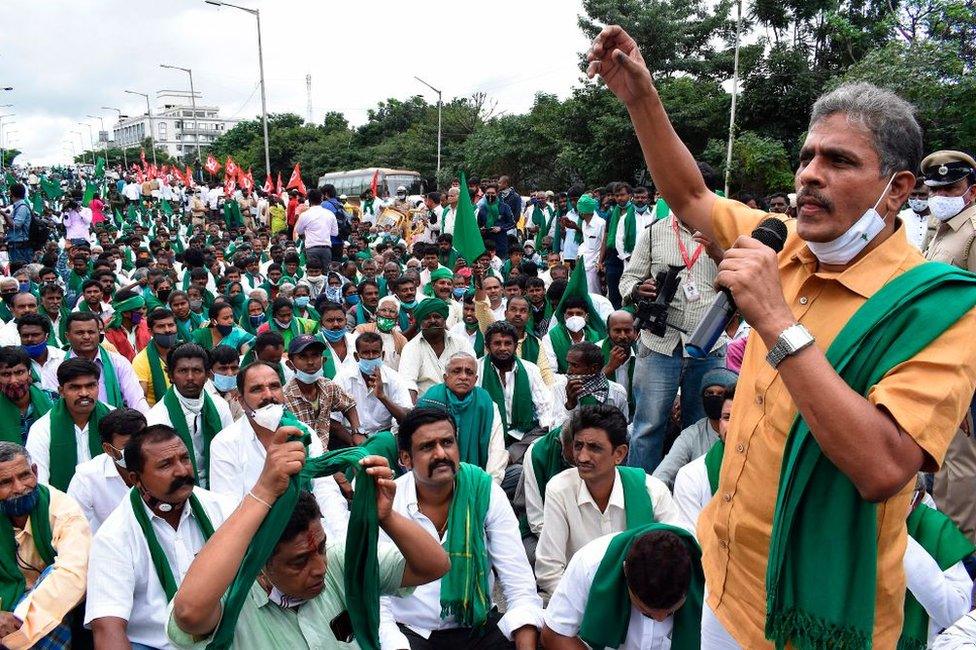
(142, 154)
(278, 187)
(164, 170)
(212, 165)
(296, 180)
(372, 185)
(153, 171)
(268, 185)
(140, 178)
(246, 181)
(231, 167)
(188, 177)
(229, 185)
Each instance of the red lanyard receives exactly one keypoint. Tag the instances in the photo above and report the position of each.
(689, 262)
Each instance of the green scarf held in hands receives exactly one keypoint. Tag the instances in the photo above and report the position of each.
(10, 414)
(211, 426)
(473, 414)
(713, 463)
(491, 213)
(523, 409)
(464, 590)
(361, 578)
(607, 612)
(160, 563)
(64, 451)
(821, 590)
(156, 372)
(942, 539)
(12, 583)
(120, 307)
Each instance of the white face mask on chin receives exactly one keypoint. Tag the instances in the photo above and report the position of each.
(842, 250)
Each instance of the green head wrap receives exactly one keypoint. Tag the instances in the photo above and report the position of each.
(586, 205)
(431, 306)
(123, 306)
(441, 274)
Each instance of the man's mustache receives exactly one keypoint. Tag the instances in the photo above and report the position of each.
(180, 482)
(440, 463)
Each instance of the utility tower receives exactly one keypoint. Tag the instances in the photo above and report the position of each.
(308, 95)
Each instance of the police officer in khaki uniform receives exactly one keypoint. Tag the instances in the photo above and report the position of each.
(951, 176)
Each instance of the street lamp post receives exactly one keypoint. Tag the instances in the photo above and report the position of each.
(125, 163)
(440, 104)
(81, 143)
(735, 94)
(101, 130)
(152, 129)
(91, 141)
(1, 130)
(193, 103)
(264, 105)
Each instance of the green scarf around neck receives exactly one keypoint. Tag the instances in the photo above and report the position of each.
(548, 459)
(473, 414)
(113, 391)
(12, 583)
(156, 371)
(10, 414)
(630, 229)
(637, 502)
(159, 560)
(942, 539)
(523, 410)
(464, 590)
(608, 604)
(560, 338)
(713, 463)
(821, 589)
(64, 450)
(491, 213)
(613, 222)
(361, 577)
(479, 340)
(211, 426)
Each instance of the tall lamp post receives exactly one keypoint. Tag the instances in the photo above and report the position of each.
(152, 129)
(735, 94)
(125, 163)
(264, 105)
(440, 105)
(91, 141)
(101, 130)
(1, 128)
(193, 103)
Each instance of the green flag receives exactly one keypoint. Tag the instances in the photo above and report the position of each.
(167, 209)
(51, 188)
(578, 288)
(37, 203)
(467, 236)
(89, 193)
(100, 168)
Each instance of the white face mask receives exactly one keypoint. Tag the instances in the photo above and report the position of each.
(918, 206)
(846, 247)
(269, 416)
(575, 323)
(944, 208)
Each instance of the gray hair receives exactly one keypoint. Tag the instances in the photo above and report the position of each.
(889, 118)
(11, 450)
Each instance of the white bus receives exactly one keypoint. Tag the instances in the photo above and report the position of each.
(354, 182)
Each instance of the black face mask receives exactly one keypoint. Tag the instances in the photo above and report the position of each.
(713, 406)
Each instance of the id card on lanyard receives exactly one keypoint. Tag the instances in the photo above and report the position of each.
(692, 294)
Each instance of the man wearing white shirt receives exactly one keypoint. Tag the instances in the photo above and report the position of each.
(35, 331)
(20, 305)
(100, 484)
(380, 393)
(129, 584)
(643, 217)
(591, 248)
(584, 383)
(425, 494)
(132, 191)
(237, 453)
(696, 482)
(496, 296)
(196, 415)
(449, 214)
(571, 227)
(424, 357)
(319, 226)
(79, 405)
(597, 496)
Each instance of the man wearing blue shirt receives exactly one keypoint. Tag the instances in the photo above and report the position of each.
(18, 224)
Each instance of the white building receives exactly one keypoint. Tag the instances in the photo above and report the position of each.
(177, 129)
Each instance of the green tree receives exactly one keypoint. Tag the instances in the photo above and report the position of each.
(760, 164)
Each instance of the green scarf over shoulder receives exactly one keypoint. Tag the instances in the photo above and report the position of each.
(560, 339)
(10, 414)
(473, 414)
(607, 612)
(942, 539)
(548, 459)
(464, 590)
(12, 583)
(713, 464)
(64, 450)
(523, 411)
(530, 348)
(637, 502)
(821, 588)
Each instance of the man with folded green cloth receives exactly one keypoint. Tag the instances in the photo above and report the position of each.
(305, 592)
(461, 508)
(480, 433)
(634, 590)
(858, 371)
(598, 495)
(68, 433)
(145, 547)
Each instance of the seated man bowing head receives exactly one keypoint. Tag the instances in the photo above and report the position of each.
(145, 547)
(459, 506)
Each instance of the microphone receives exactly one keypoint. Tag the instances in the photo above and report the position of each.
(772, 233)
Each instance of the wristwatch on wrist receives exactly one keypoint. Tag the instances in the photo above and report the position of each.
(793, 339)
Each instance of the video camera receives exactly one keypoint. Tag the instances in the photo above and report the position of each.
(652, 315)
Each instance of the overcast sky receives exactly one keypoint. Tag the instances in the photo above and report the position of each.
(65, 60)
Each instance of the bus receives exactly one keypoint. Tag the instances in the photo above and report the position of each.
(356, 181)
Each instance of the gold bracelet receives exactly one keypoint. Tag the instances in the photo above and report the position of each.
(259, 500)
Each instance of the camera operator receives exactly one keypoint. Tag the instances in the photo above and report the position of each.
(662, 365)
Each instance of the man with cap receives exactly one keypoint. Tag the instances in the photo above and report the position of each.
(951, 178)
(313, 398)
(593, 229)
(424, 358)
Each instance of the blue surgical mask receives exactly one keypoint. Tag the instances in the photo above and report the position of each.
(20, 505)
(224, 383)
(308, 378)
(334, 294)
(25, 287)
(225, 329)
(353, 299)
(35, 351)
(301, 301)
(334, 336)
(258, 320)
(369, 366)
(459, 292)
